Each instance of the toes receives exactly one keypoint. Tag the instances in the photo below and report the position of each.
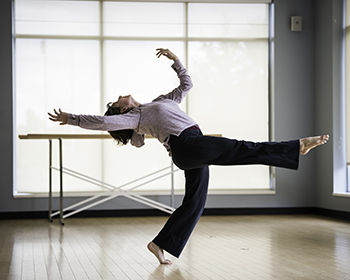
(167, 262)
(325, 138)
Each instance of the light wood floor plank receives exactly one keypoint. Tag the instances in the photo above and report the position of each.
(221, 247)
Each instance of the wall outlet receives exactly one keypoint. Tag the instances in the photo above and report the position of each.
(296, 23)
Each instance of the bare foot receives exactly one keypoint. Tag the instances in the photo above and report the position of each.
(306, 144)
(158, 252)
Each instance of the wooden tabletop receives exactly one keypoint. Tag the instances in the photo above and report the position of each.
(77, 136)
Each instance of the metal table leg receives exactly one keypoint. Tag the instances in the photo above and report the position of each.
(61, 181)
(50, 180)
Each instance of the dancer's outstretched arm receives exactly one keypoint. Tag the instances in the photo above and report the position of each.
(94, 122)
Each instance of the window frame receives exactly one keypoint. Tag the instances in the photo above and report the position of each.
(339, 191)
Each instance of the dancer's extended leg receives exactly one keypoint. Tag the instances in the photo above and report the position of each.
(193, 150)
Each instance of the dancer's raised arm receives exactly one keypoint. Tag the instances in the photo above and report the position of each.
(185, 80)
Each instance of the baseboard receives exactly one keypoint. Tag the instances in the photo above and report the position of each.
(207, 212)
(85, 214)
(333, 214)
(259, 211)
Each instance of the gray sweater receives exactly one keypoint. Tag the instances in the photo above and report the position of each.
(160, 118)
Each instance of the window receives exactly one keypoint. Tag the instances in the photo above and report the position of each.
(347, 83)
(80, 55)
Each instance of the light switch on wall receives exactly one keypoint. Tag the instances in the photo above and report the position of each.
(296, 23)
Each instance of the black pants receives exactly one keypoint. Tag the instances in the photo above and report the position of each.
(193, 152)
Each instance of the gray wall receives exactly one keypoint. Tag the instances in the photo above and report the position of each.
(306, 74)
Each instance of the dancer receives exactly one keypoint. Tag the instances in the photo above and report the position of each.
(128, 120)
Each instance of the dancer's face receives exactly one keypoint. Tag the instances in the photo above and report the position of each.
(125, 103)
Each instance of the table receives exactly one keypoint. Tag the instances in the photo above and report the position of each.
(112, 191)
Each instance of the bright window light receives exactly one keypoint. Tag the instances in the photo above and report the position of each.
(80, 55)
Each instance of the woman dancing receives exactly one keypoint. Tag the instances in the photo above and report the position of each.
(127, 119)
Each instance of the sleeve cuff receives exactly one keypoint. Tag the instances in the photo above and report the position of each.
(177, 65)
(73, 119)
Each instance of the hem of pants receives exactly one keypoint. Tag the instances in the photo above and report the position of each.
(173, 244)
(292, 155)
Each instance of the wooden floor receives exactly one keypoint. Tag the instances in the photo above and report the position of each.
(221, 247)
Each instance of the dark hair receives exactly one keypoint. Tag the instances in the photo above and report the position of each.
(121, 136)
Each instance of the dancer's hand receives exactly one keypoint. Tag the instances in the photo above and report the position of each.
(59, 117)
(167, 53)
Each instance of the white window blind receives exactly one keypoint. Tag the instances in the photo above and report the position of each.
(80, 55)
